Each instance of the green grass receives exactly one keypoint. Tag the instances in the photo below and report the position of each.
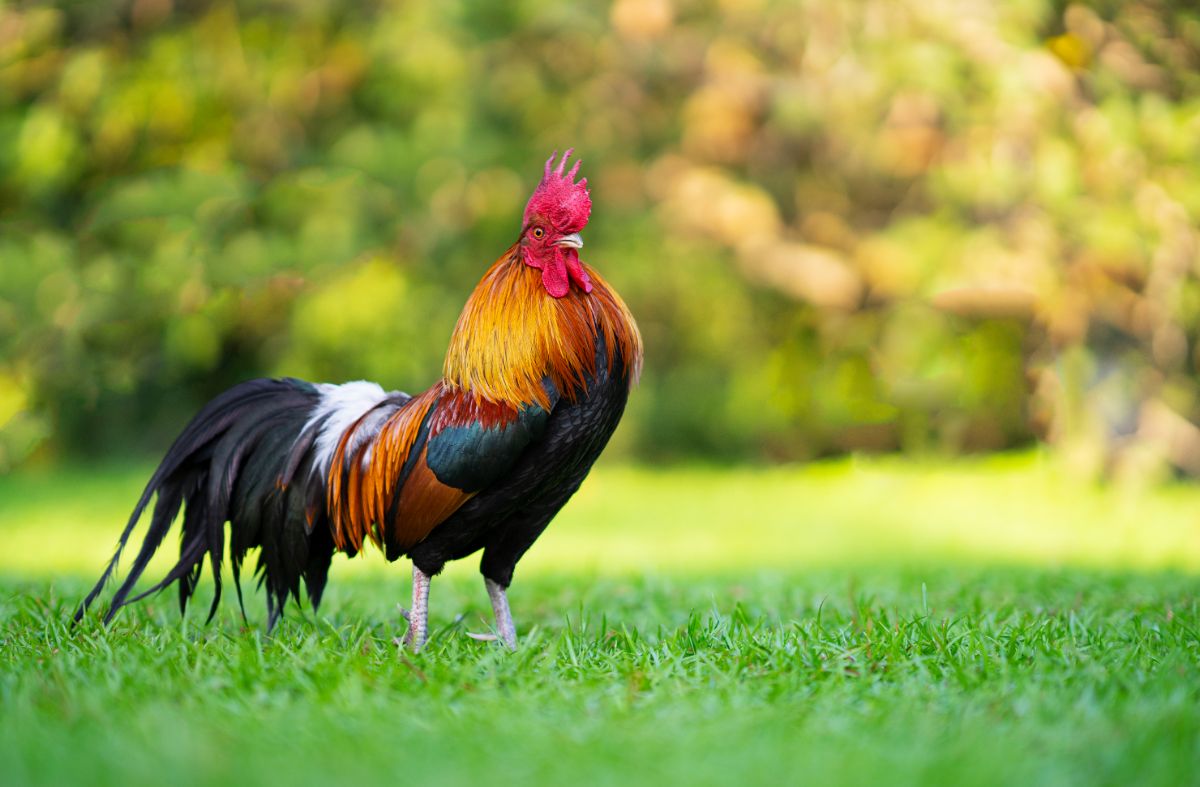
(989, 622)
(1008, 509)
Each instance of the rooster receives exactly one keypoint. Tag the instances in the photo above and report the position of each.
(536, 377)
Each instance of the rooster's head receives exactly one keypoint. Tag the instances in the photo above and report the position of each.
(554, 217)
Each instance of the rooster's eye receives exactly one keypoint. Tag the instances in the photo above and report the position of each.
(539, 233)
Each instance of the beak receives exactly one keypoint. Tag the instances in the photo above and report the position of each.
(573, 241)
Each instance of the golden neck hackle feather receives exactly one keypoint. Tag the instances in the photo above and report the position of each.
(512, 333)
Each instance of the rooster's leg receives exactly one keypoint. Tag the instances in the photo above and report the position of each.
(418, 617)
(504, 621)
(506, 631)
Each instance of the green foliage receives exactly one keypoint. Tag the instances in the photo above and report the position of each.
(841, 225)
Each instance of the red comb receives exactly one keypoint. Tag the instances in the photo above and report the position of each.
(558, 199)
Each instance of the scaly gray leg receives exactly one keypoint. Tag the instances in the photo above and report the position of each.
(506, 631)
(418, 617)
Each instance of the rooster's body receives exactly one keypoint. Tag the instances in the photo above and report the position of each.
(535, 380)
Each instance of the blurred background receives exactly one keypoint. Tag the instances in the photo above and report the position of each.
(915, 226)
(906, 494)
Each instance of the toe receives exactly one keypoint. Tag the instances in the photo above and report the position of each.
(482, 637)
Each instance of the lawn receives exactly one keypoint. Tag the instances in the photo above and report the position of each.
(888, 621)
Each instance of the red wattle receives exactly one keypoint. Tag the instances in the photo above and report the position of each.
(576, 271)
(559, 270)
(554, 277)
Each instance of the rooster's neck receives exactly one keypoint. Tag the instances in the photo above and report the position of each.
(512, 335)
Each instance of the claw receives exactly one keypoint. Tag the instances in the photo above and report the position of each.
(482, 637)
(404, 613)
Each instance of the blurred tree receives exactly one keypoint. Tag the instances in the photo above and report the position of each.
(881, 224)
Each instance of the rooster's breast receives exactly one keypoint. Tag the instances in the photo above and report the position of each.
(505, 518)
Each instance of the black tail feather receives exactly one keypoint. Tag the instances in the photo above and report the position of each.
(246, 458)
(186, 572)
